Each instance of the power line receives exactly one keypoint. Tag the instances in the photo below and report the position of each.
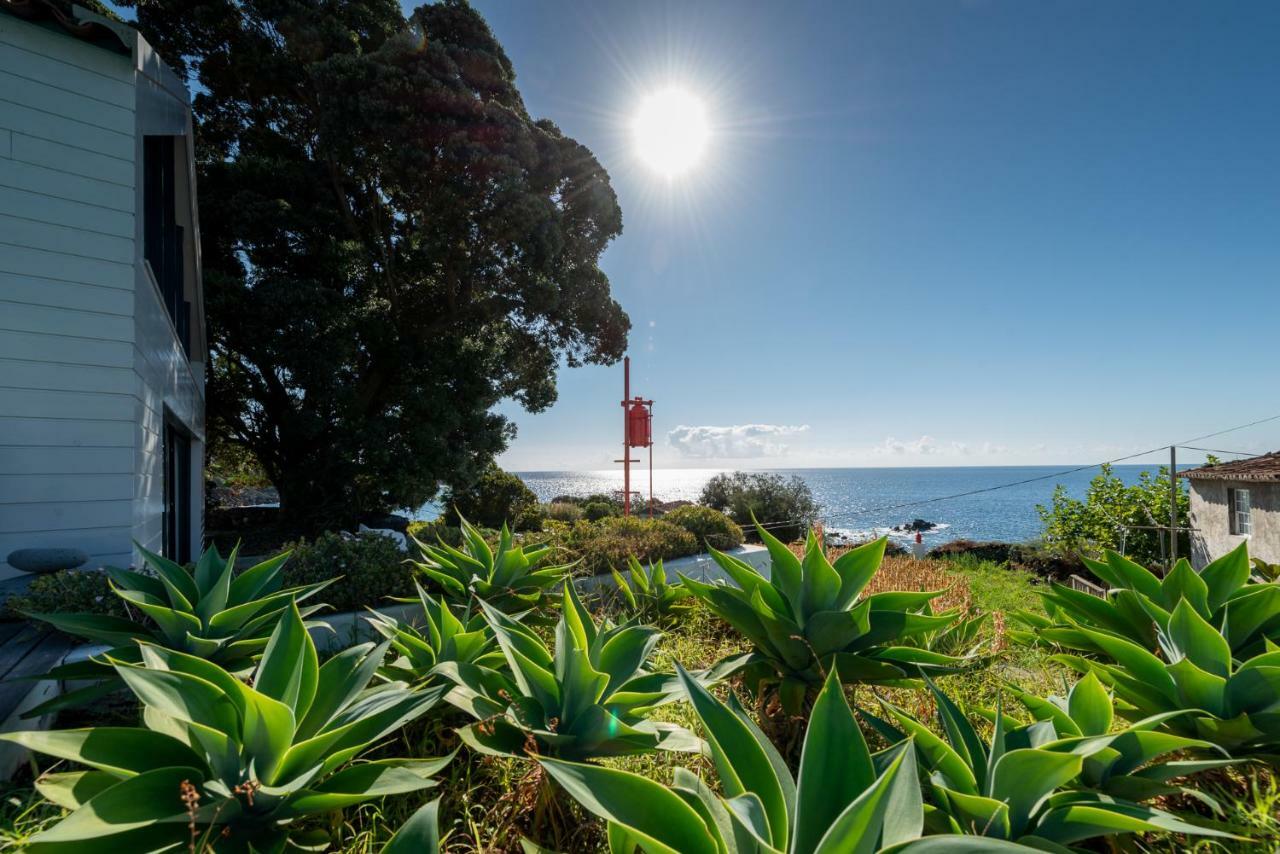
(1062, 473)
(1219, 451)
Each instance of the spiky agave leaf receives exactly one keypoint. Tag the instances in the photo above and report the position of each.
(809, 617)
(844, 799)
(589, 696)
(208, 611)
(1029, 783)
(241, 762)
(511, 578)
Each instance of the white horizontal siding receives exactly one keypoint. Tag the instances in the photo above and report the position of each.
(28, 461)
(73, 160)
(68, 350)
(111, 85)
(22, 231)
(73, 295)
(64, 516)
(21, 431)
(46, 403)
(90, 369)
(57, 377)
(61, 184)
(93, 218)
(46, 97)
(20, 317)
(33, 489)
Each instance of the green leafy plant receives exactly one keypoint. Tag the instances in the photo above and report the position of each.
(366, 569)
(1133, 762)
(1115, 514)
(510, 578)
(83, 591)
(218, 760)
(1027, 784)
(649, 596)
(606, 543)
(1233, 703)
(590, 697)
(710, 526)
(785, 504)
(1138, 605)
(438, 636)
(495, 498)
(809, 618)
(208, 611)
(843, 800)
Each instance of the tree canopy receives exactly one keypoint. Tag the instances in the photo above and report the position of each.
(391, 243)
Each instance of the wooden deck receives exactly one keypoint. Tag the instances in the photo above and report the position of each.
(26, 649)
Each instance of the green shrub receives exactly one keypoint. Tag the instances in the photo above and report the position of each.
(597, 510)
(710, 526)
(496, 499)
(564, 511)
(785, 505)
(1115, 515)
(84, 591)
(369, 568)
(436, 529)
(607, 544)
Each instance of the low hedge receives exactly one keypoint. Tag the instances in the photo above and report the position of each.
(67, 591)
(605, 544)
(709, 526)
(371, 568)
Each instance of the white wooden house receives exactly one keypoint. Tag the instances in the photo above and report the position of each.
(101, 322)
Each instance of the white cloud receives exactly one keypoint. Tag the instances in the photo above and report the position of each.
(927, 446)
(923, 446)
(741, 441)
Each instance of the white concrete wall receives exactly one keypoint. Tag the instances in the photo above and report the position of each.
(1212, 537)
(88, 357)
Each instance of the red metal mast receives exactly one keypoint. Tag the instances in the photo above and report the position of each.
(637, 432)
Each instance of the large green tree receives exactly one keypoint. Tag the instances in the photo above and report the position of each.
(391, 244)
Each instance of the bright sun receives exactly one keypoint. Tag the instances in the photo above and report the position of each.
(671, 131)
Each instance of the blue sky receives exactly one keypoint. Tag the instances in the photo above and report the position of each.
(925, 233)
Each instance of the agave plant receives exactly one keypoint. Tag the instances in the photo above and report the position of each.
(1131, 763)
(208, 611)
(650, 596)
(1233, 703)
(1138, 605)
(511, 579)
(1029, 785)
(588, 698)
(808, 619)
(219, 760)
(440, 636)
(844, 800)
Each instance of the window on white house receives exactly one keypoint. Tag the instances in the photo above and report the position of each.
(1240, 511)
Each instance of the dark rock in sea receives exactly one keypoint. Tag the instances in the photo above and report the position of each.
(41, 561)
(915, 525)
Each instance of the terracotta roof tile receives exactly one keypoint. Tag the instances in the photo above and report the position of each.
(1265, 467)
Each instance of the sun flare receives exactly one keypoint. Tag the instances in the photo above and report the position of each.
(671, 131)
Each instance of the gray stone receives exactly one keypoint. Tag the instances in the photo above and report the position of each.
(40, 561)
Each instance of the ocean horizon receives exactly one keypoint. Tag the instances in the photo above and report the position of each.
(863, 502)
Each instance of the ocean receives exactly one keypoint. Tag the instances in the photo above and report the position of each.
(851, 498)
